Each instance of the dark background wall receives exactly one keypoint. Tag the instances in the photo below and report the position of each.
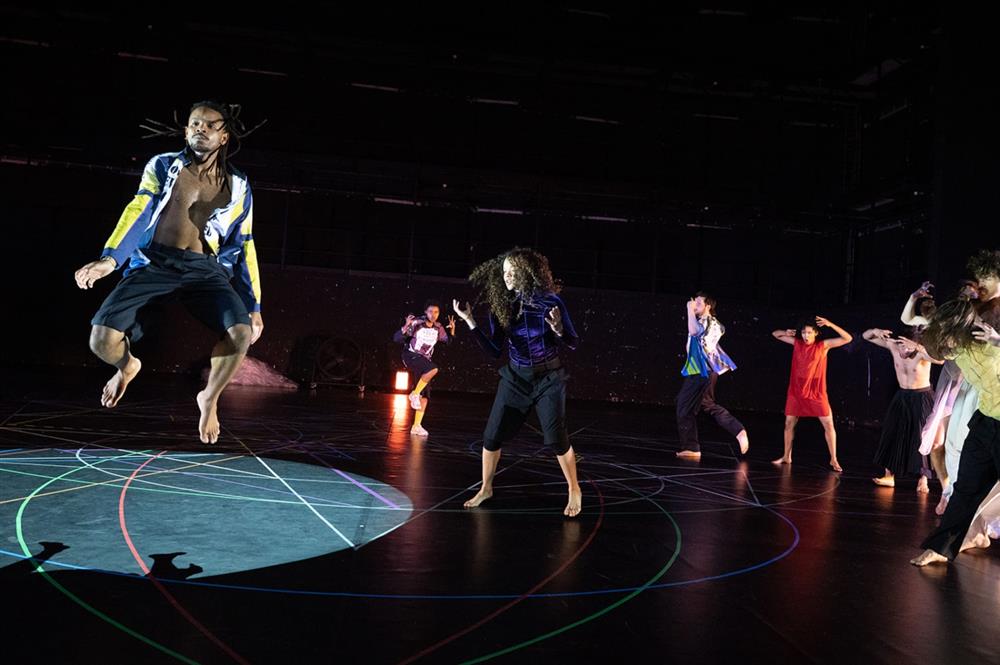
(791, 160)
(632, 343)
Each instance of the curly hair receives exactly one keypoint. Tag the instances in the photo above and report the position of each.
(951, 325)
(532, 276)
(984, 263)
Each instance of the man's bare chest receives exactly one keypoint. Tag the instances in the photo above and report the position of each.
(197, 198)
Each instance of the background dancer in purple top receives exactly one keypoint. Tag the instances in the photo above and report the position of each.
(531, 321)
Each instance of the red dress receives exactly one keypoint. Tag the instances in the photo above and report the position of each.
(807, 384)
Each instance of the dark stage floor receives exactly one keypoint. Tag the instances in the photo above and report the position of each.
(318, 531)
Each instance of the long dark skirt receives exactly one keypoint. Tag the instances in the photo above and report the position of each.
(899, 447)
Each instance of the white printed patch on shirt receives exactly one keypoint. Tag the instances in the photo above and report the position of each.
(423, 341)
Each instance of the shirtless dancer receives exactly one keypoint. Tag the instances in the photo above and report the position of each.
(188, 232)
(950, 394)
(899, 447)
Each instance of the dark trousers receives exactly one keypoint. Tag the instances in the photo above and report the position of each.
(520, 390)
(978, 471)
(698, 394)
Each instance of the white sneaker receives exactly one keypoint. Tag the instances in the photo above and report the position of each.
(415, 401)
(418, 430)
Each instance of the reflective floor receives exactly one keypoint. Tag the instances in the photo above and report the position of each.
(318, 530)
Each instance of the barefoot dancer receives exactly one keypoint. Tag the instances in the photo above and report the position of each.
(527, 313)
(899, 446)
(186, 232)
(807, 396)
(705, 362)
(951, 390)
(957, 330)
(985, 267)
(420, 335)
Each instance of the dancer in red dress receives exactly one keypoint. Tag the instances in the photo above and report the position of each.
(807, 396)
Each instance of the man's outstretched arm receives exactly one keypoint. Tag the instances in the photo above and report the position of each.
(131, 225)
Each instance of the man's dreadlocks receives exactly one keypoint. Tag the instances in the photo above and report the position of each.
(231, 122)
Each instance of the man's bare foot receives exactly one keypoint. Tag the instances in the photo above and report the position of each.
(929, 556)
(689, 454)
(942, 505)
(980, 541)
(782, 460)
(744, 442)
(835, 465)
(481, 496)
(885, 481)
(115, 388)
(922, 486)
(575, 503)
(208, 424)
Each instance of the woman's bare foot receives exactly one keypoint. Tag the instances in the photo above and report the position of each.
(922, 486)
(208, 424)
(575, 503)
(744, 442)
(782, 460)
(689, 454)
(835, 465)
(481, 496)
(929, 556)
(115, 388)
(885, 481)
(942, 505)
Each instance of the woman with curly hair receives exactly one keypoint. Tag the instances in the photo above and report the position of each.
(967, 333)
(530, 320)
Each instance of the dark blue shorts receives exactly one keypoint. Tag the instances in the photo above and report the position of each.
(199, 281)
(418, 366)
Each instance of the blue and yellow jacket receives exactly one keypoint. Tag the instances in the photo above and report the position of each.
(229, 231)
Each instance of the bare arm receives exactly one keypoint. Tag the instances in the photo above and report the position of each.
(928, 357)
(843, 337)
(877, 336)
(786, 336)
(909, 345)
